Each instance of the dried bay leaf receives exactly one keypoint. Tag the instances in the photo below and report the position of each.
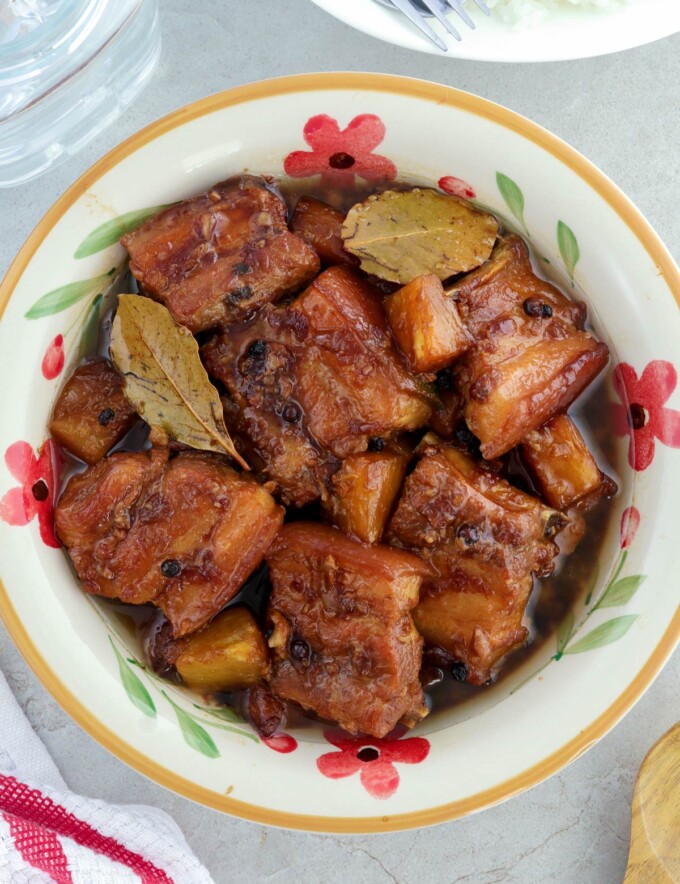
(164, 377)
(399, 235)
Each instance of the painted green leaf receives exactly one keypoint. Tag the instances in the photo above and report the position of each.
(621, 592)
(513, 196)
(194, 735)
(111, 231)
(89, 333)
(226, 713)
(568, 248)
(604, 634)
(67, 295)
(592, 583)
(134, 688)
(564, 633)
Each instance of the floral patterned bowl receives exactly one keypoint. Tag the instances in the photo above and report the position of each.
(621, 630)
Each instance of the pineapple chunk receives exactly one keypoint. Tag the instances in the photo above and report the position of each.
(228, 654)
(426, 325)
(564, 470)
(91, 413)
(364, 490)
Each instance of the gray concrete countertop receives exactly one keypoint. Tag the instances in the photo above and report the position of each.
(622, 112)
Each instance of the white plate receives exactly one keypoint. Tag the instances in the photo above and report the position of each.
(563, 35)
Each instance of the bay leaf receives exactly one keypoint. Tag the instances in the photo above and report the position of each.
(164, 377)
(399, 235)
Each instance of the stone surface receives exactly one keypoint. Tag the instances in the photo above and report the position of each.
(620, 112)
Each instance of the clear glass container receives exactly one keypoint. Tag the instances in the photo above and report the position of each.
(67, 70)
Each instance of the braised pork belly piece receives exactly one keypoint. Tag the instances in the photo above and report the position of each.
(220, 255)
(531, 358)
(184, 533)
(91, 413)
(321, 226)
(343, 641)
(564, 470)
(484, 540)
(313, 382)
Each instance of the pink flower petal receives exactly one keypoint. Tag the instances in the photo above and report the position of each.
(630, 522)
(282, 743)
(373, 167)
(20, 460)
(626, 383)
(364, 133)
(641, 449)
(380, 778)
(665, 424)
(410, 751)
(53, 360)
(303, 164)
(456, 186)
(336, 765)
(619, 416)
(658, 381)
(322, 134)
(13, 509)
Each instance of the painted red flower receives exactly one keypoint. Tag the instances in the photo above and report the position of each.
(36, 495)
(642, 415)
(338, 155)
(373, 759)
(282, 743)
(53, 360)
(457, 187)
(630, 522)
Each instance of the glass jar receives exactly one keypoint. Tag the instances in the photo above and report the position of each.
(67, 70)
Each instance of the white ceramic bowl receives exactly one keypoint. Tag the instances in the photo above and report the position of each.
(563, 34)
(546, 713)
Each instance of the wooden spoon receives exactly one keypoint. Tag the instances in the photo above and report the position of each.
(654, 856)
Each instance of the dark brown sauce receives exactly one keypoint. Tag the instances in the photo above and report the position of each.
(553, 599)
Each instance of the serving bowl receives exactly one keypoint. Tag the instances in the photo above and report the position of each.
(622, 628)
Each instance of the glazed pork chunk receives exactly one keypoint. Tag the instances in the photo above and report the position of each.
(220, 255)
(343, 641)
(532, 357)
(312, 382)
(484, 539)
(184, 533)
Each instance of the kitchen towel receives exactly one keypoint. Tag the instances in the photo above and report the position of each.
(48, 834)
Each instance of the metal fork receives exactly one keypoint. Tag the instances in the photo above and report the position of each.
(416, 10)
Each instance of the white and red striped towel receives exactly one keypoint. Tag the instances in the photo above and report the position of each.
(48, 834)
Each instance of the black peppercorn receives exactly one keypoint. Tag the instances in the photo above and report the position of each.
(171, 568)
(241, 268)
(106, 416)
(376, 443)
(291, 412)
(257, 348)
(300, 650)
(459, 671)
(536, 307)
